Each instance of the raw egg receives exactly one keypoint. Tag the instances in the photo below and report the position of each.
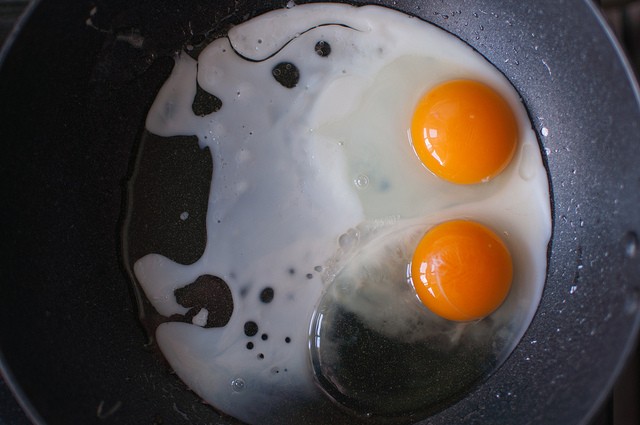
(461, 270)
(464, 131)
(350, 147)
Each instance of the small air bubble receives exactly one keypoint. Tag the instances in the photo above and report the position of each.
(309, 276)
(362, 181)
(349, 239)
(238, 385)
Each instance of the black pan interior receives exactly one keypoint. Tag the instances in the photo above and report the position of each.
(72, 112)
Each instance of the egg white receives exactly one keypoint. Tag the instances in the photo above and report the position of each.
(305, 179)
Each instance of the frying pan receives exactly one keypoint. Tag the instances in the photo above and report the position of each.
(74, 99)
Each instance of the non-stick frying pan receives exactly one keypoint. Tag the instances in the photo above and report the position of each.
(74, 99)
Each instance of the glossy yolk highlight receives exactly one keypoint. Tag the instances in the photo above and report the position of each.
(461, 270)
(464, 132)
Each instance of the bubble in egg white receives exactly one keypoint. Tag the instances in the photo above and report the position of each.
(308, 175)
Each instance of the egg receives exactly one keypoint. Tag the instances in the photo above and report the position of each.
(461, 270)
(357, 154)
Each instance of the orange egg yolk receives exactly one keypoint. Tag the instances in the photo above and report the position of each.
(461, 270)
(464, 132)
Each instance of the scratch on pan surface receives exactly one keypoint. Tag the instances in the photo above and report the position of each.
(102, 414)
(180, 412)
(547, 66)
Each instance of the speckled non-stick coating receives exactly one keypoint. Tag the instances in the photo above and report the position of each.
(73, 103)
